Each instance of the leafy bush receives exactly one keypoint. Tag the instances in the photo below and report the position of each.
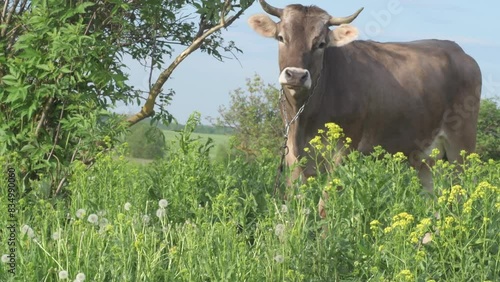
(253, 115)
(146, 141)
(488, 130)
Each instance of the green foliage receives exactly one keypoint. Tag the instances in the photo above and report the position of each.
(57, 79)
(488, 130)
(185, 218)
(146, 141)
(253, 115)
(61, 71)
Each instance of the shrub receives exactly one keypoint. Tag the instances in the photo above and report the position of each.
(488, 130)
(146, 141)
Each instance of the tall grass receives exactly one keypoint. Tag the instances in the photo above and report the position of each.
(220, 222)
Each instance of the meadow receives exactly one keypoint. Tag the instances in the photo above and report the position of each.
(190, 218)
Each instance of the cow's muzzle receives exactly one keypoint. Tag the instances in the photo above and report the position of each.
(295, 78)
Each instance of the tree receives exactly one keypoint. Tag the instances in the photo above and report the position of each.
(61, 71)
(488, 130)
(254, 116)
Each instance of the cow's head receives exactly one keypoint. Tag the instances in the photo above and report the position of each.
(303, 34)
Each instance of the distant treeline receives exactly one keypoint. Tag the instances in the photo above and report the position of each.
(208, 129)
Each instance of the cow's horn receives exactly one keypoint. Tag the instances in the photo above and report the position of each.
(277, 12)
(343, 20)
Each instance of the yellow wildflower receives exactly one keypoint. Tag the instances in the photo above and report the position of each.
(474, 157)
(420, 256)
(405, 275)
(414, 238)
(456, 191)
(402, 220)
(434, 153)
(375, 225)
(399, 156)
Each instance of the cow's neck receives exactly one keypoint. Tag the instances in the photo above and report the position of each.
(299, 131)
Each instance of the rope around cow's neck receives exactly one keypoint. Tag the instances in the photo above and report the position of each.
(288, 124)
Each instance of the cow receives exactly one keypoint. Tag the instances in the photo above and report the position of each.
(409, 97)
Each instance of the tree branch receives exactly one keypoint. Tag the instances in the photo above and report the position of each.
(9, 17)
(44, 115)
(148, 109)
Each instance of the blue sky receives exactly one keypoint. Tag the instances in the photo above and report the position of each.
(203, 84)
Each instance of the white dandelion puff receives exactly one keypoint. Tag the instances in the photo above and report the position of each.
(161, 212)
(279, 258)
(127, 206)
(5, 258)
(56, 235)
(103, 222)
(80, 213)
(163, 203)
(279, 229)
(80, 277)
(93, 218)
(145, 219)
(284, 209)
(26, 230)
(63, 274)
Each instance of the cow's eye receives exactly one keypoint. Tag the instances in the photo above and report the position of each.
(280, 38)
(322, 45)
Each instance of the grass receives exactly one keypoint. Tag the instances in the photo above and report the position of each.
(222, 223)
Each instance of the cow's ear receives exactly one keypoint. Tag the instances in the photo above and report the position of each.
(343, 35)
(263, 25)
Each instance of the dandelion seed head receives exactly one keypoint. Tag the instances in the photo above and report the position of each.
(5, 258)
(145, 219)
(279, 258)
(284, 209)
(103, 222)
(127, 206)
(80, 213)
(27, 230)
(80, 277)
(63, 274)
(279, 229)
(160, 213)
(93, 218)
(163, 203)
(56, 235)
(306, 211)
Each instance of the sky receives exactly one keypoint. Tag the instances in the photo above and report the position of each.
(203, 84)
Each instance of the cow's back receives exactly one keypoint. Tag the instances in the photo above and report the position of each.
(402, 95)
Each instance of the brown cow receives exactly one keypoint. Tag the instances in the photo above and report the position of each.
(407, 97)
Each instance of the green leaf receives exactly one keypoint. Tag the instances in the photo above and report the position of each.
(28, 147)
(44, 67)
(9, 79)
(80, 9)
